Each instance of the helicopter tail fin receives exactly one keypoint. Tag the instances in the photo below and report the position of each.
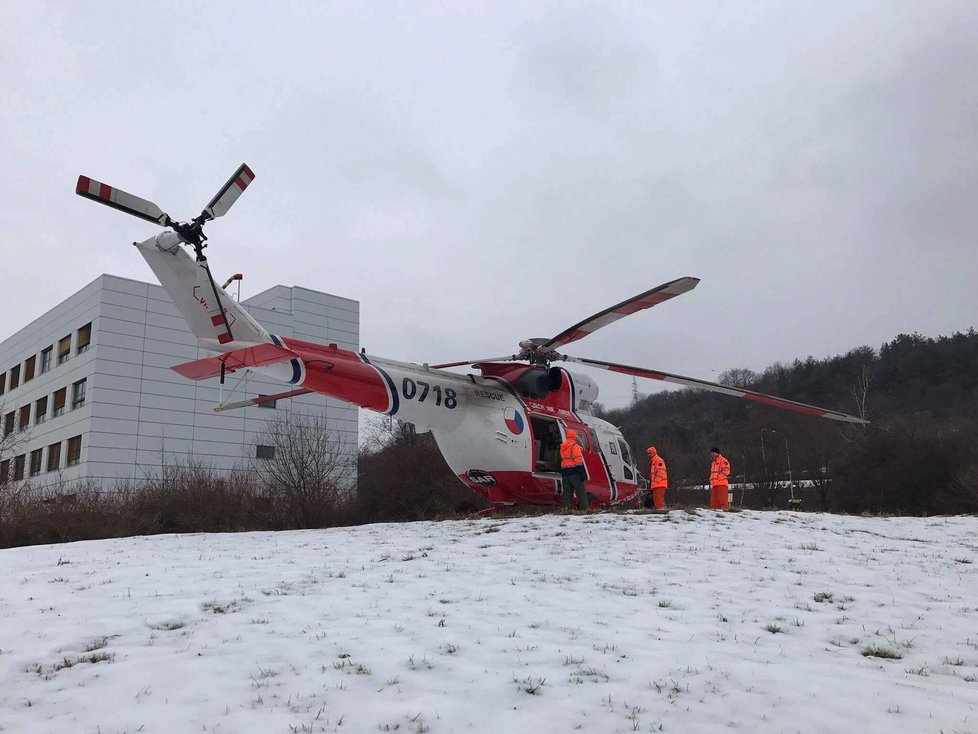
(189, 286)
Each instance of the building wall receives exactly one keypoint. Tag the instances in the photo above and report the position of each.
(138, 413)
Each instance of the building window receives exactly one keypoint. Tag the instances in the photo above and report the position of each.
(29, 367)
(25, 417)
(84, 338)
(14, 376)
(264, 452)
(8, 424)
(78, 394)
(4, 471)
(3, 383)
(40, 410)
(54, 456)
(36, 462)
(59, 401)
(46, 359)
(18, 467)
(64, 349)
(269, 404)
(74, 450)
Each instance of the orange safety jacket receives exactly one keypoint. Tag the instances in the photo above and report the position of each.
(719, 471)
(657, 473)
(571, 454)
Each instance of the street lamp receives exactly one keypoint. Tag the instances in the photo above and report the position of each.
(791, 484)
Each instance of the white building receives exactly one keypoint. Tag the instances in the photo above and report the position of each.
(86, 390)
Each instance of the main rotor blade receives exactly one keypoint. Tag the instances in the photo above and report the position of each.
(466, 362)
(610, 315)
(119, 199)
(737, 392)
(229, 193)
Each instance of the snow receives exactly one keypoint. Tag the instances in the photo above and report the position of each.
(678, 622)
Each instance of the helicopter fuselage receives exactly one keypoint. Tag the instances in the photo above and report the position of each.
(499, 431)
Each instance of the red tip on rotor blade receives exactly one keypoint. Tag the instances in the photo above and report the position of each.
(245, 178)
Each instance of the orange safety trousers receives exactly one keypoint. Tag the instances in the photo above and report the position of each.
(659, 498)
(720, 497)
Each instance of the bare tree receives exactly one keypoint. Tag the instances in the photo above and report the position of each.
(739, 377)
(13, 439)
(818, 447)
(860, 388)
(310, 468)
(772, 463)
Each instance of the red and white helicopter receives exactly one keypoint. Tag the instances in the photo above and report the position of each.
(499, 430)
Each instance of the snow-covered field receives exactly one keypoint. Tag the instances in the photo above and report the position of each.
(751, 622)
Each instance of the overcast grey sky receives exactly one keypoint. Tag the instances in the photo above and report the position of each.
(479, 173)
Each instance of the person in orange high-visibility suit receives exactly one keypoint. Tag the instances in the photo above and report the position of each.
(658, 478)
(573, 472)
(719, 484)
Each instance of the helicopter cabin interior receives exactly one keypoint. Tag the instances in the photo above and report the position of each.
(546, 443)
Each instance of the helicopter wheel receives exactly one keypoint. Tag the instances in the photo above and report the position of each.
(647, 502)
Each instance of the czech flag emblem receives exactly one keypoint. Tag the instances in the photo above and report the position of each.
(514, 421)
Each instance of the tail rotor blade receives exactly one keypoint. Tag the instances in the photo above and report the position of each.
(119, 199)
(229, 193)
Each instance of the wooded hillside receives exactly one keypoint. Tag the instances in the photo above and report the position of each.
(918, 455)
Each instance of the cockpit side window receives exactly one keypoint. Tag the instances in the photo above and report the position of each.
(584, 439)
(625, 453)
(627, 463)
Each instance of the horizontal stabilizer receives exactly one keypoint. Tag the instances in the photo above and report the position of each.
(257, 356)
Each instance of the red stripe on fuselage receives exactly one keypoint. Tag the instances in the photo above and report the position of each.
(341, 374)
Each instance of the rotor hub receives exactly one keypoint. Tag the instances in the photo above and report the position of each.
(530, 350)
